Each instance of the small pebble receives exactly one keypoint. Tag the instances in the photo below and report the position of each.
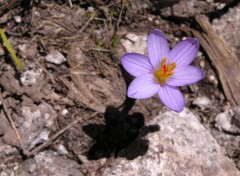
(135, 43)
(31, 65)
(36, 13)
(157, 22)
(199, 54)
(223, 121)
(62, 150)
(176, 39)
(213, 80)
(202, 102)
(16, 166)
(220, 6)
(221, 96)
(30, 77)
(55, 57)
(202, 64)
(57, 108)
(150, 19)
(65, 112)
(91, 9)
(32, 168)
(83, 158)
(18, 19)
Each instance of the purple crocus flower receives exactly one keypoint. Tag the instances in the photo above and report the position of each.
(163, 70)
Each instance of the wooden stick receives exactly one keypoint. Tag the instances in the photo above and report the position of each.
(8, 115)
(223, 59)
(87, 23)
(70, 3)
(120, 15)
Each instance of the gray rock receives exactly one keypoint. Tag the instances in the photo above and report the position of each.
(8, 157)
(6, 153)
(34, 127)
(49, 163)
(212, 79)
(136, 43)
(202, 102)
(18, 19)
(30, 77)
(61, 149)
(55, 57)
(182, 146)
(37, 124)
(229, 121)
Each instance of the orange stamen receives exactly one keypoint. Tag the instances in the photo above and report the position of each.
(165, 71)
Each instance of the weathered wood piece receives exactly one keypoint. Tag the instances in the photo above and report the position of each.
(223, 59)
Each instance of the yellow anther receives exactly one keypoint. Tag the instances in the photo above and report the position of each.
(165, 71)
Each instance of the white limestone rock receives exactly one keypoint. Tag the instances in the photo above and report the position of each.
(37, 124)
(8, 155)
(182, 146)
(229, 121)
(49, 163)
(31, 77)
(136, 43)
(55, 57)
(202, 102)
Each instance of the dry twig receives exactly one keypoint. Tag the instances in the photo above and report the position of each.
(87, 23)
(70, 3)
(51, 77)
(223, 58)
(8, 115)
(120, 15)
(54, 137)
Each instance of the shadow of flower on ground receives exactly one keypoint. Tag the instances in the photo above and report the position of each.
(119, 135)
(122, 133)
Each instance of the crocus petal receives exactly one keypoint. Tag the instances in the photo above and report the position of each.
(143, 87)
(185, 75)
(171, 97)
(184, 52)
(158, 48)
(136, 64)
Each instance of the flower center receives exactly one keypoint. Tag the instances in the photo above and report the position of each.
(165, 71)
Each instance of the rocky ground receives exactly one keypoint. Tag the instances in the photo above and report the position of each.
(68, 114)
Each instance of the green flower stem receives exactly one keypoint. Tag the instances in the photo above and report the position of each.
(10, 50)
